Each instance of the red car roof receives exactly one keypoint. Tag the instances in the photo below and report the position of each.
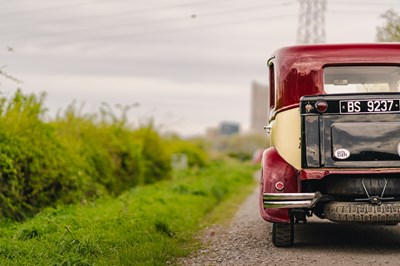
(299, 69)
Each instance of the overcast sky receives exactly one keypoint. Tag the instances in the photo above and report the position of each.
(188, 63)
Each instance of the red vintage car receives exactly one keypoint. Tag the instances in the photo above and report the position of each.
(334, 136)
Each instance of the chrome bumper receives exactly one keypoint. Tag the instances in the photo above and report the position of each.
(291, 200)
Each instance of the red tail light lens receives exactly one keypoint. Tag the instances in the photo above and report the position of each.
(279, 186)
(321, 106)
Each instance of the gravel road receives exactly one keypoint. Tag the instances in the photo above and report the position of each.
(247, 241)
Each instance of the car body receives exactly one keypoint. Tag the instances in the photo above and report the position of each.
(334, 133)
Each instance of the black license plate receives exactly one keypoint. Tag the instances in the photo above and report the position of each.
(370, 106)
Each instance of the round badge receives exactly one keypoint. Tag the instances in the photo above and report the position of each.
(342, 154)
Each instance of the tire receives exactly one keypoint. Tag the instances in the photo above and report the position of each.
(363, 212)
(392, 223)
(282, 234)
(353, 186)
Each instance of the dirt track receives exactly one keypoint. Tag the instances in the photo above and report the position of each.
(247, 241)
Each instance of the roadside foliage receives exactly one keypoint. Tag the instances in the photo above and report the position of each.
(76, 157)
(146, 225)
(85, 189)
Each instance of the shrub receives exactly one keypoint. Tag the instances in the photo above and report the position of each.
(194, 149)
(110, 158)
(73, 158)
(156, 161)
(34, 169)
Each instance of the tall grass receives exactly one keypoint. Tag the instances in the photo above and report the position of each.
(148, 225)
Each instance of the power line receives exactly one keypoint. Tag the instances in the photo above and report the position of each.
(149, 33)
(161, 21)
(130, 12)
(358, 11)
(110, 1)
(363, 3)
(51, 7)
(100, 15)
(141, 23)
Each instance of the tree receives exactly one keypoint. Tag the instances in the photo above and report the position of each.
(390, 31)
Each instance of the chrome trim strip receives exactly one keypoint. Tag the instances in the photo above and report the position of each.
(288, 196)
(291, 200)
(287, 204)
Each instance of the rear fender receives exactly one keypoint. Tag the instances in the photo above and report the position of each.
(276, 169)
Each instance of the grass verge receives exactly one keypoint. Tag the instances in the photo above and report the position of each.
(148, 225)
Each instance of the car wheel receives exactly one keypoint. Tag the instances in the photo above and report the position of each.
(282, 234)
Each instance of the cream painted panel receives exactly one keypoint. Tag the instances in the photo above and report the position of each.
(286, 135)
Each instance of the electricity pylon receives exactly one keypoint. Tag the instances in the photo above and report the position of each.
(311, 24)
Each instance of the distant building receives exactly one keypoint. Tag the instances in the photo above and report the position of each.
(259, 107)
(229, 128)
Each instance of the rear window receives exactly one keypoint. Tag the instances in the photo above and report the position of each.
(361, 79)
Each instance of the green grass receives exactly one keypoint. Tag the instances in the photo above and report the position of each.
(148, 225)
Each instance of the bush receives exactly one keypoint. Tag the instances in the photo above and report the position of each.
(34, 169)
(156, 162)
(194, 149)
(73, 158)
(110, 159)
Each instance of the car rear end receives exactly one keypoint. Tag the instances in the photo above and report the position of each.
(351, 155)
(335, 137)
